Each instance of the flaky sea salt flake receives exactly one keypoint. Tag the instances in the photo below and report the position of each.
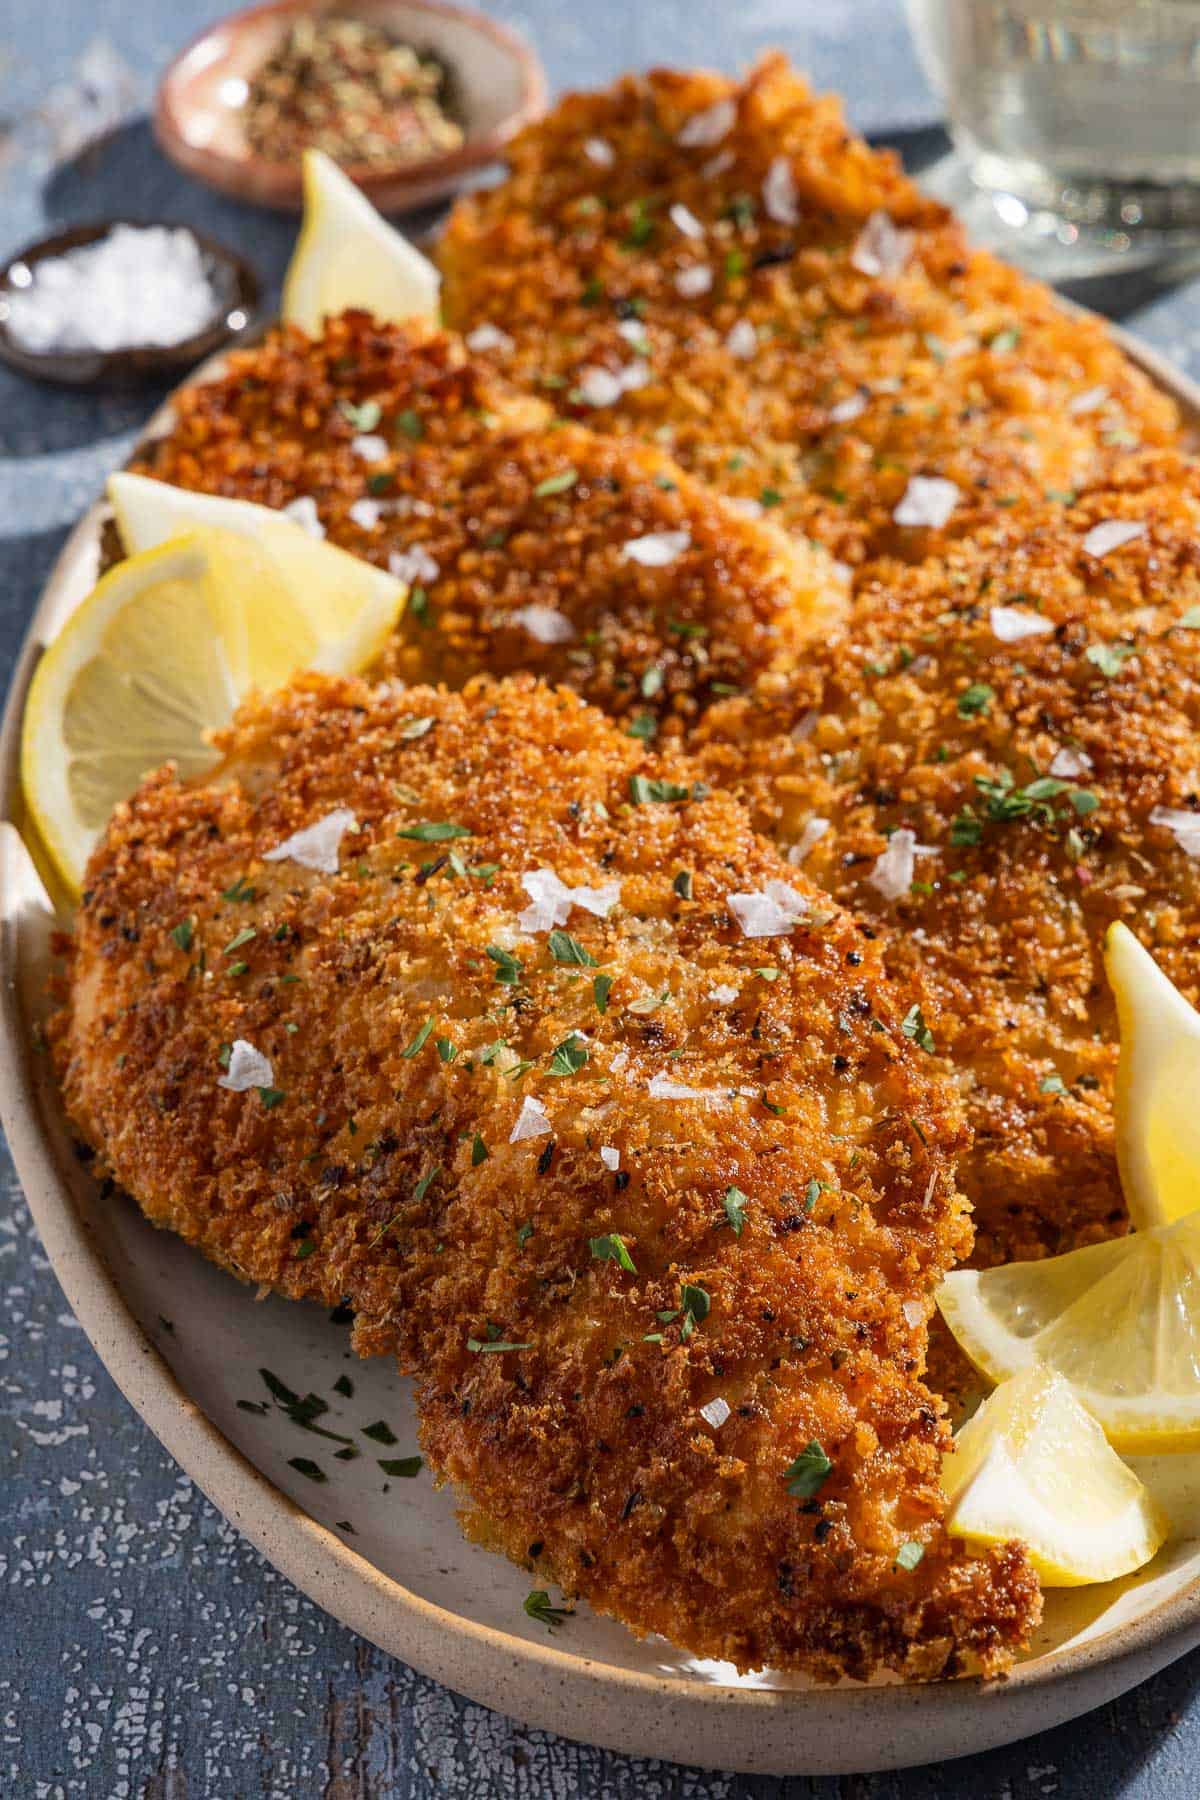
(685, 220)
(1012, 623)
(709, 127)
(1184, 826)
(771, 911)
(694, 281)
(488, 337)
(927, 500)
(881, 248)
(1111, 534)
(545, 624)
(779, 193)
(317, 845)
(531, 1122)
(248, 1068)
(303, 512)
(742, 340)
(414, 566)
(657, 548)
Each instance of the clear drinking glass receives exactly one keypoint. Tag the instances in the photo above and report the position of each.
(1078, 119)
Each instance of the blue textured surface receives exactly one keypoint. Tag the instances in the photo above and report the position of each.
(145, 1650)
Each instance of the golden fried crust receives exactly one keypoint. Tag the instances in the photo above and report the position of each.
(851, 382)
(405, 1043)
(515, 536)
(912, 718)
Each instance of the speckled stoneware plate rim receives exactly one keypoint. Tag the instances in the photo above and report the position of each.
(847, 1729)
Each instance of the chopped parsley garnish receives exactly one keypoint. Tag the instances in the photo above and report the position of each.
(481, 1346)
(975, 700)
(909, 1554)
(683, 884)
(446, 1049)
(420, 1041)
(363, 418)
(415, 728)
(735, 1204)
(816, 1187)
(1004, 801)
(183, 933)
(508, 968)
(601, 989)
(537, 1606)
(556, 484)
(304, 1465)
(1052, 1084)
(411, 424)
(643, 726)
(381, 1432)
(913, 1026)
(1109, 658)
(1191, 619)
(479, 1151)
(523, 1234)
(241, 890)
(239, 938)
(809, 1473)
(643, 789)
(641, 225)
(770, 497)
(271, 1097)
(566, 949)
(418, 605)
(344, 1386)
(652, 680)
(407, 1466)
(611, 1248)
(568, 1057)
(1003, 341)
(696, 1307)
(426, 1182)
(435, 831)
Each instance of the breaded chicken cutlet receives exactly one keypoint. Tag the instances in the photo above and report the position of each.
(651, 1207)
(725, 268)
(594, 559)
(999, 756)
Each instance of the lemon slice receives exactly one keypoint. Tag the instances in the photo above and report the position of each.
(1033, 1464)
(1121, 1321)
(156, 658)
(349, 607)
(348, 255)
(1157, 1111)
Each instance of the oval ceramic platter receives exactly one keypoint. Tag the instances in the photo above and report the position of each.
(384, 1554)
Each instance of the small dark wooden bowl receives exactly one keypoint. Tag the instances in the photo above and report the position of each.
(235, 286)
(499, 82)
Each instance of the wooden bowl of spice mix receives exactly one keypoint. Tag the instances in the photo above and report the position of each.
(410, 97)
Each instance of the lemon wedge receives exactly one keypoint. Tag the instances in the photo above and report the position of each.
(348, 255)
(158, 656)
(1121, 1321)
(1157, 1110)
(1033, 1464)
(349, 607)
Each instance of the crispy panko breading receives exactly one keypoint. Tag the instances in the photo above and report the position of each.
(587, 1169)
(725, 268)
(1015, 723)
(594, 560)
